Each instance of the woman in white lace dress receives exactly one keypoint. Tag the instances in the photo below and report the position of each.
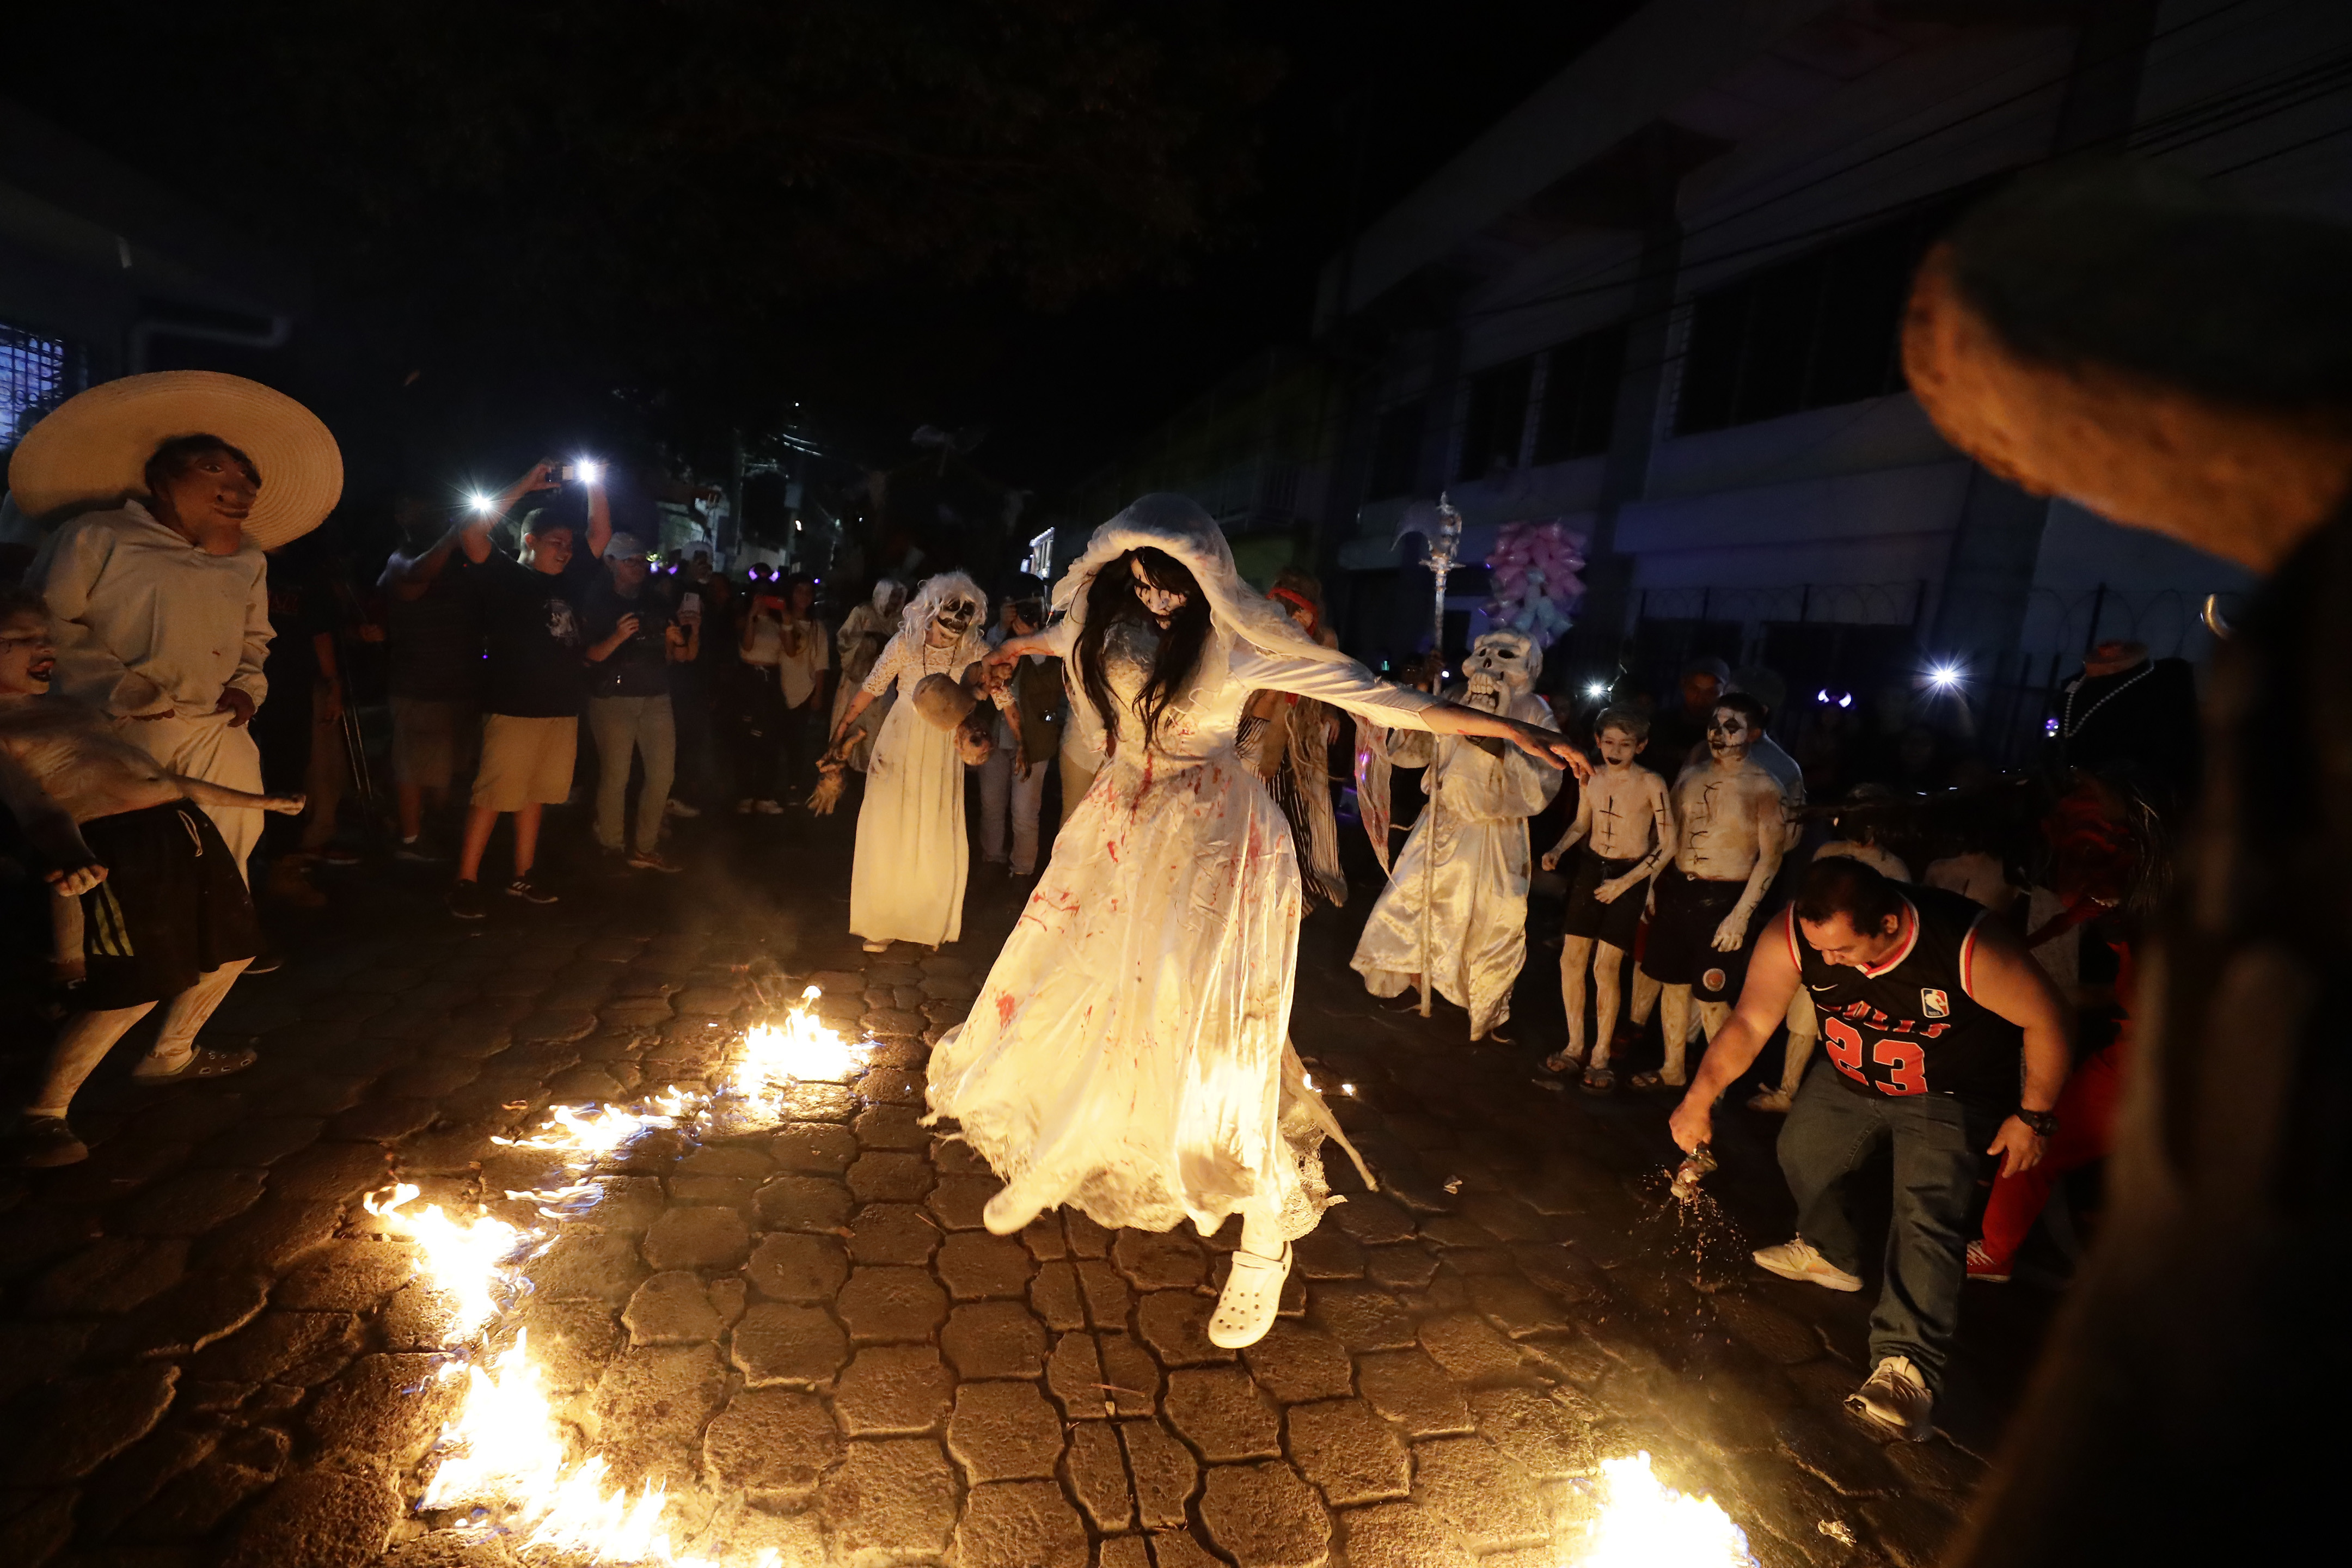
(907, 884)
(1130, 1052)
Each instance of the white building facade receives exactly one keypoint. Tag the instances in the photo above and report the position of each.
(1660, 299)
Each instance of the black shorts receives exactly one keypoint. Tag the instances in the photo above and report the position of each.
(1681, 946)
(173, 905)
(1615, 923)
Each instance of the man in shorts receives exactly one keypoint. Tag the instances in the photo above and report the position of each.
(1627, 830)
(164, 911)
(1731, 831)
(534, 675)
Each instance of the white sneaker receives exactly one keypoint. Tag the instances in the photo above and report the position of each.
(1777, 1100)
(878, 944)
(1895, 1401)
(768, 807)
(677, 807)
(1797, 1260)
(743, 806)
(1251, 1297)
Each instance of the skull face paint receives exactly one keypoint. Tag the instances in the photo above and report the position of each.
(1730, 735)
(956, 617)
(1161, 604)
(1501, 667)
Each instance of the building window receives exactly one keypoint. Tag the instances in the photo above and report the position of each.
(1809, 333)
(1498, 419)
(36, 373)
(1396, 451)
(1040, 562)
(1580, 401)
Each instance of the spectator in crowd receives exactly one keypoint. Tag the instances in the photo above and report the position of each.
(299, 732)
(1678, 730)
(863, 632)
(803, 669)
(166, 911)
(160, 601)
(1858, 833)
(633, 640)
(436, 655)
(701, 688)
(1028, 739)
(534, 680)
(2135, 718)
(1927, 1009)
(785, 656)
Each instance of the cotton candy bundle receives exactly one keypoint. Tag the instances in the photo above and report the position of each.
(1533, 575)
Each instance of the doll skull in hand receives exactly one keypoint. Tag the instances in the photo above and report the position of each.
(1501, 667)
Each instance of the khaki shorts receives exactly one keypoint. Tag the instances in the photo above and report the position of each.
(525, 761)
(429, 739)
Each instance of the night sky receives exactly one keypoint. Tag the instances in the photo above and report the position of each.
(609, 221)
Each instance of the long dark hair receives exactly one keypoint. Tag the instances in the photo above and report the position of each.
(1111, 598)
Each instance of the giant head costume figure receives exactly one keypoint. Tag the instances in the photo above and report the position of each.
(1502, 667)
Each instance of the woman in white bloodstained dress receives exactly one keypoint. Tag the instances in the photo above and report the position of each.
(1130, 1053)
(907, 883)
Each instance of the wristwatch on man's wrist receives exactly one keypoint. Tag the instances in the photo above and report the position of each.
(2044, 1122)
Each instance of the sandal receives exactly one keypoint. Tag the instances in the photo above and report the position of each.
(1600, 1081)
(1652, 1080)
(204, 1062)
(1560, 1061)
(1253, 1294)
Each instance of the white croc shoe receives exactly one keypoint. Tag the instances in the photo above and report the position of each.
(1251, 1297)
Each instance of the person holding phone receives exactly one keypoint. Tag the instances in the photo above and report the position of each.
(786, 657)
(633, 640)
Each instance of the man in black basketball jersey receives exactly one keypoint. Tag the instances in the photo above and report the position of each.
(1926, 1008)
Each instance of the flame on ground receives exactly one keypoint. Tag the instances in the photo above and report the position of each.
(468, 1262)
(506, 1453)
(602, 1129)
(1644, 1524)
(802, 1051)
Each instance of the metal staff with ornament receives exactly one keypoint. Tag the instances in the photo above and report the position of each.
(1438, 544)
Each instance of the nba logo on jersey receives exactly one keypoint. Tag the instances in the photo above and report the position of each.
(1933, 1003)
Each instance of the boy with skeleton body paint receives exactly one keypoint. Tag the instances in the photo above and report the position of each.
(1732, 830)
(1468, 860)
(1628, 829)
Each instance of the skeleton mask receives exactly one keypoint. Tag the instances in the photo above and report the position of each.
(1501, 667)
(957, 615)
(889, 597)
(1730, 735)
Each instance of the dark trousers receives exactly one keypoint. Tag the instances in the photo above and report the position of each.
(1829, 1132)
(691, 704)
(776, 747)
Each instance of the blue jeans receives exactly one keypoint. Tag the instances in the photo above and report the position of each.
(1829, 1132)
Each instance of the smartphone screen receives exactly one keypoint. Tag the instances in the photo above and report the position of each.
(689, 604)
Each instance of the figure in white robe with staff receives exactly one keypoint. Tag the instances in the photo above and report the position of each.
(1454, 914)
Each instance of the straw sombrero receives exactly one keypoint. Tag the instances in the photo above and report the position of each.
(92, 451)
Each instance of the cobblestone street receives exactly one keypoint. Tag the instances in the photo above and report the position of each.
(211, 1352)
